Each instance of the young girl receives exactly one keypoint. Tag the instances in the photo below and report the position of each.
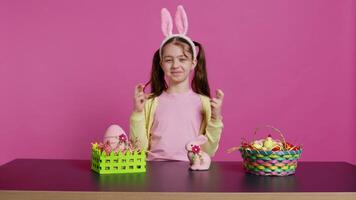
(175, 112)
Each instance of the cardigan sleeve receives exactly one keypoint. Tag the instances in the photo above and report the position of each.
(141, 123)
(138, 131)
(211, 129)
(213, 132)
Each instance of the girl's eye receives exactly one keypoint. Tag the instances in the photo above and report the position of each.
(168, 61)
(182, 60)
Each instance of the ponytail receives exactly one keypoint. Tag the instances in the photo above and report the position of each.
(200, 82)
(158, 83)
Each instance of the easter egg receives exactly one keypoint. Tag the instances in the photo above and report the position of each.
(268, 143)
(257, 146)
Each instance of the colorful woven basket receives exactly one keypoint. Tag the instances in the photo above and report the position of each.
(270, 163)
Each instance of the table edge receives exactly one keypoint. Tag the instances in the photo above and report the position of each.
(64, 195)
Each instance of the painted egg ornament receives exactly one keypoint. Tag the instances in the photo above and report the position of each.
(269, 143)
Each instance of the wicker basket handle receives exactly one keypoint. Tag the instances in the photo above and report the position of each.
(271, 127)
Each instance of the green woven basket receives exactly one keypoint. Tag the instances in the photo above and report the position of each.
(270, 163)
(116, 163)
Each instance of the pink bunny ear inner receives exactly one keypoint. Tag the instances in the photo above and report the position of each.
(166, 22)
(181, 20)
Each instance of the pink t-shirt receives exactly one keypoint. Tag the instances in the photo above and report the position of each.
(177, 120)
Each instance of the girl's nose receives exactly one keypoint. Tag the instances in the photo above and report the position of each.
(175, 64)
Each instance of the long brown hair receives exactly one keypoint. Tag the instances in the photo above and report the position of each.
(199, 82)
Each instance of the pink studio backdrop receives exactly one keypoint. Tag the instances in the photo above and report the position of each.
(68, 70)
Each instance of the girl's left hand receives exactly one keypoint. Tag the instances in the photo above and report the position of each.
(216, 104)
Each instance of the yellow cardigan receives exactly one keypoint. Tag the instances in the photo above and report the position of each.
(141, 124)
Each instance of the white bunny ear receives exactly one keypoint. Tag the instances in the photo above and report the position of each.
(181, 20)
(166, 22)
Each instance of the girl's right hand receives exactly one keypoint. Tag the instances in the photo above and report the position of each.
(140, 98)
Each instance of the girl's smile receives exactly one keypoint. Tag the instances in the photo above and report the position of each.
(177, 72)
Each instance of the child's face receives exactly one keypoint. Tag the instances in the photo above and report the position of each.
(175, 64)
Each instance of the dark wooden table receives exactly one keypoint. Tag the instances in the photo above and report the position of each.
(73, 179)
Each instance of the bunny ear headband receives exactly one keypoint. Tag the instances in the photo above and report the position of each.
(181, 20)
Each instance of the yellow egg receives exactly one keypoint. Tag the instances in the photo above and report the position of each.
(268, 143)
(257, 145)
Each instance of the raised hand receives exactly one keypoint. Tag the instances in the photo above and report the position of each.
(216, 104)
(139, 98)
